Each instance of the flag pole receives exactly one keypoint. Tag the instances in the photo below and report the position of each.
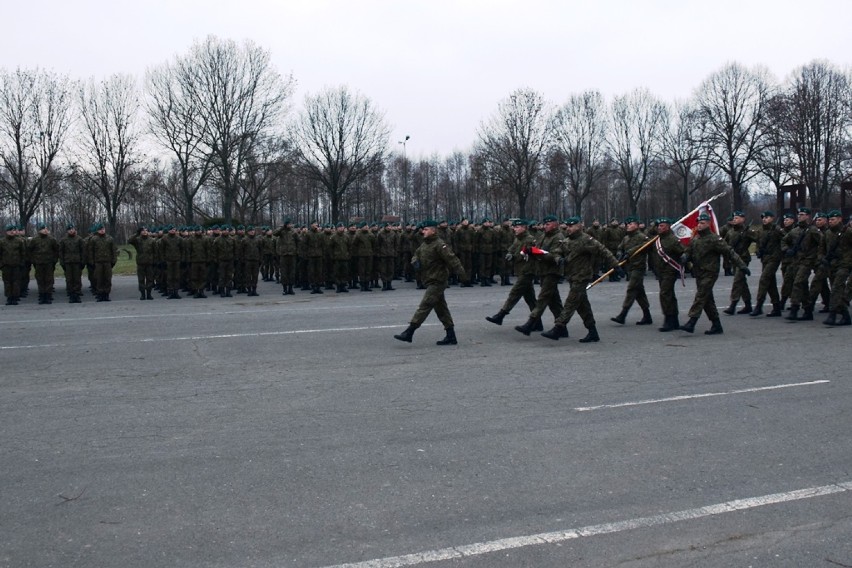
(649, 242)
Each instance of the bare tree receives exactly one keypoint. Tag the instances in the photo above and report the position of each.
(580, 131)
(635, 141)
(775, 159)
(684, 154)
(514, 141)
(178, 125)
(732, 107)
(340, 140)
(109, 142)
(815, 119)
(240, 100)
(266, 169)
(36, 110)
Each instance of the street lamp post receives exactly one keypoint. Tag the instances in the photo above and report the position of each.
(407, 213)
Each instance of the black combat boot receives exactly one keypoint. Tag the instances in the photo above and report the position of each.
(407, 334)
(41, 299)
(252, 291)
(449, 338)
(844, 318)
(758, 309)
(783, 303)
(794, 313)
(831, 319)
(365, 287)
(290, 291)
(808, 314)
(689, 326)
(620, 317)
(746, 309)
(670, 324)
(715, 328)
(227, 293)
(556, 332)
(776, 311)
(498, 317)
(529, 326)
(75, 299)
(732, 309)
(390, 287)
(646, 318)
(141, 294)
(539, 326)
(11, 301)
(592, 336)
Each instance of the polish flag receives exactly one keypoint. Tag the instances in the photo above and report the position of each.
(685, 227)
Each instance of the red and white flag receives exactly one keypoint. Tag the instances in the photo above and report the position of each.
(685, 227)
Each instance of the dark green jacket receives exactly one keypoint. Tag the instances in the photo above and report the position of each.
(437, 261)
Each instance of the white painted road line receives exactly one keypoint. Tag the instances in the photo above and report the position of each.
(701, 395)
(477, 549)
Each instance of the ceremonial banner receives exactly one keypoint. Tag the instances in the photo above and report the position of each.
(685, 227)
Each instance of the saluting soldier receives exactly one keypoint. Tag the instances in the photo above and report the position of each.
(769, 252)
(146, 257)
(362, 251)
(577, 253)
(436, 260)
(463, 247)
(636, 264)
(705, 250)
(103, 255)
(72, 256)
(43, 252)
(386, 252)
(171, 253)
(489, 241)
(287, 249)
(338, 250)
(524, 272)
(740, 237)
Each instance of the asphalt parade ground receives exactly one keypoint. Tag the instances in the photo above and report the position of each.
(294, 431)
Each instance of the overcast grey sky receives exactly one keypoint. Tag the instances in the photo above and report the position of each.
(438, 68)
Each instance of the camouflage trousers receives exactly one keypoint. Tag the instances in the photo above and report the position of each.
(145, 276)
(668, 300)
(522, 288)
(768, 283)
(820, 286)
(548, 297)
(577, 301)
(635, 290)
(840, 290)
(74, 278)
(12, 280)
(433, 299)
(801, 278)
(739, 287)
(44, 277)
(704, 301)
(287, 265)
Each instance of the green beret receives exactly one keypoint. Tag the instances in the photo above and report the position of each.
(631, 219)
(518, 222)
(430, 223)
(789, 216)
(768, 213)
(665, 220)
(549, 219)
(704, 217)
(805, 210)
(835, 213)
(41, 226)
(486, 220)
(737, 214)
(70, 226)
(10, 227)
(572, 221)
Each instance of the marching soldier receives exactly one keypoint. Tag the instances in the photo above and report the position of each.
(740, 236)
(803, 246)
(436, 261)
(578, 252)
(667, 248)
(705, 250)
(542, 254)
(839, 262)
(636, 264)
(769, 252)
(524, 272)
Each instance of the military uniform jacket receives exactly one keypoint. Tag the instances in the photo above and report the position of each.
(580, 252)
(740, 237)
(523, 265)
(13, 251)
(146, 249)
(844, 249)
(673, 248)
(171, 248)
(43, 249)
(338, 246)
(251, 248)
(436, 261)
(769, 242)
(386, 243)
(287, 243)
(489, 242)
(72, 250)
(361, 244)
(631, 243)
(198, 249)
(804, 241)
(547, 263)
(706, 248)
(102, 249)
(224, 248)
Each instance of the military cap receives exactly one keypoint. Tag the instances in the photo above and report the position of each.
(287, 221)
(70, 226)
(738, 213)
(518, 222)
(572, 220)
(486, 220)
(806, 210)
(768, 213)
(789, 216)
(97, 226)
(631, 219)
(665, 220)
(41, 226)
(704, 217)
(249, 227)
(835, 213)
(11, 227)
(430, 223)
(549, 219)
(820, 215)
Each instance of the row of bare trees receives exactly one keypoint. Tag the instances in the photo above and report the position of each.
(212, 135)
